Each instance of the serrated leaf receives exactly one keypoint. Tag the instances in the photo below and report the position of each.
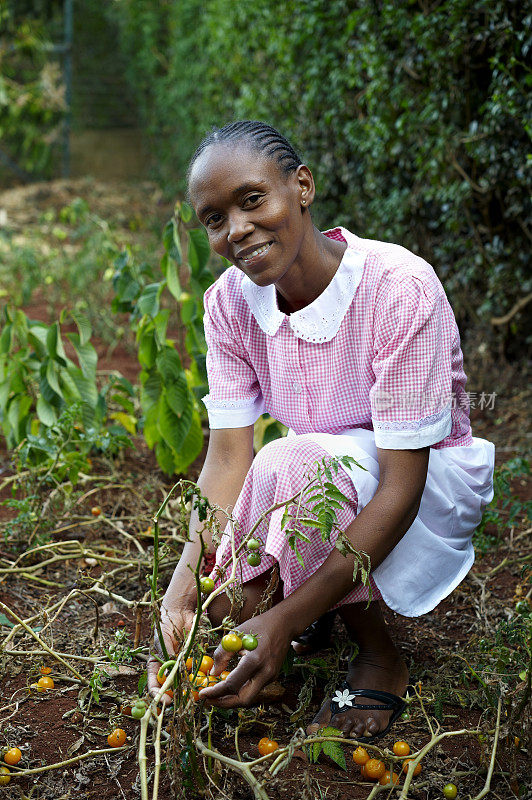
(198, 251)
(169, 365)
(335, 752)
(192, 445)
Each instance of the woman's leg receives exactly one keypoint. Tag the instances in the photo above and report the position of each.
(378, 665)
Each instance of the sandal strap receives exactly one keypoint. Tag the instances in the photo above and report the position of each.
(388, 701)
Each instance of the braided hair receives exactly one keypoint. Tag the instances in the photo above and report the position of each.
(261, 137)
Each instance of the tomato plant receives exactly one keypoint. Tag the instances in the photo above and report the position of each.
(117, 738)
(231, 642)
(12, 756)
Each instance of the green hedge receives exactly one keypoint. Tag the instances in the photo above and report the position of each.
(414, 117)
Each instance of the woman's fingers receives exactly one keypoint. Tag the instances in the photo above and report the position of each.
(241, 686)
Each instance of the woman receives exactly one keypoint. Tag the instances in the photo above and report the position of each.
(353, 345)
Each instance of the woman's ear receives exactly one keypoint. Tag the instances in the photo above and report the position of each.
(305, 185)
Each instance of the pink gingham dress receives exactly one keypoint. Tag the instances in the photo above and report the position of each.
(373, 362)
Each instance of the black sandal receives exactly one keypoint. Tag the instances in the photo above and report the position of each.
(343, 698)
(318, 634)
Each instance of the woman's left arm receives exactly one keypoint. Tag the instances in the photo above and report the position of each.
(375, 531)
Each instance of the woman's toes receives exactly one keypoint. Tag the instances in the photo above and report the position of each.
(322, 718)
(313, 728)
(371, 727)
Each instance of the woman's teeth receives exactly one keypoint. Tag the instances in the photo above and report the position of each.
(256, 253)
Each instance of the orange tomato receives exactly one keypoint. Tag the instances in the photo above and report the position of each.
(401, 749)
(417, 769)
(199, 680)
(224, 674)
(46, 670)
(195, 694)
(363, 771)
(116, 738)
(267, 746)
(189, 663)
(388, 778)
(96, 511)
(170, 693)
(360, 756)
(12, 756)
(212, 680)
(375, 768)
(207, 664)
(5, 776)
(45, 683)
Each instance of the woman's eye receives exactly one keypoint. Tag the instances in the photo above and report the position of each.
(252, 199)
(213, 220)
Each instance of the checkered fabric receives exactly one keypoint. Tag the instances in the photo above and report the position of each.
(280, 470)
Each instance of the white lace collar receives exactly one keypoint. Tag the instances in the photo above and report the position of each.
(319, 321)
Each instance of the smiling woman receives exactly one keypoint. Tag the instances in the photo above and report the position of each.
(352, 344)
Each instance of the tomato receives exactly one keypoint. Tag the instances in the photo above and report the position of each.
(360, 756)
(126, 710)
(12, 756)
(189, 663)
(45, 683)
(374, 768)
(170, 693)
(207, 664)
(195, 694)
(199, 680)
(388, 778)
(116, 738)
(249, 642)
(450, 791)
(231, 642)
(522, 607)
(253, 544)
(224, 674)
(206, 585)
(267, 746)
(401, 749)
(254, 559)
(417, 769)
(211, 680)
(96, 511)
(5, 776)
(138, 710)
(46, 670)
(363, 771)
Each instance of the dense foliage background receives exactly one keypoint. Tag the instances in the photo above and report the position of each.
(415, 118)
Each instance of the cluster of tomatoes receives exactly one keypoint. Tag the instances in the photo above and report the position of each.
(45, 681)
(253, 558)
(374, 769)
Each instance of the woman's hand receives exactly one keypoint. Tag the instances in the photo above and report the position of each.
(174, 623)
(255, 668)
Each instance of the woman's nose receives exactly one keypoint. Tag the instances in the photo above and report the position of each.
(239, 226)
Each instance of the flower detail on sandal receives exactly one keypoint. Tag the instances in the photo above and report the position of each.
(344, 698)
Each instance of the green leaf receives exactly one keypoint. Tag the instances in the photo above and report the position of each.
(165, 457)
(177, 396)
(148, 302)
(52, 376)
(171, 241)
(147, 348)
(54, 344)
(172, 428)
(335, 752)
(198, 251)
(169, 365)
(192, 445)
(170, 270)
(46, 412)
(87, 356)
(5, 621)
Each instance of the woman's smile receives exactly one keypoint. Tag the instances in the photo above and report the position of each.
(254, 254)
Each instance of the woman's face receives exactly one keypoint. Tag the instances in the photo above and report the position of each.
(251, 210)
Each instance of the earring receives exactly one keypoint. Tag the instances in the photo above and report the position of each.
(303, 202)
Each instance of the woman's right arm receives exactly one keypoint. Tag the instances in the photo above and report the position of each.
(229, 457)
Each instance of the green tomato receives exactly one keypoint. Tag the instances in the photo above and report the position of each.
(254, 559)
(522, 607)
(137, 712)
(249, 642)
(450, 791)
(253, 544)
(206, 585)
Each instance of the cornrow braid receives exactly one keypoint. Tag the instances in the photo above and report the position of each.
(261, 137)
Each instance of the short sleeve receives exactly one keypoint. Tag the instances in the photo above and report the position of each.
(235, 399)
(411, 398)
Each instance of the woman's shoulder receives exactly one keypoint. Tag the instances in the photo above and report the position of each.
(387, 264)
(225, 294)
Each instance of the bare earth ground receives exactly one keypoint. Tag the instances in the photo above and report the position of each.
(66, 722)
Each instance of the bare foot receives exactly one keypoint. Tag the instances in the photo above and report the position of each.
(386, 672)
